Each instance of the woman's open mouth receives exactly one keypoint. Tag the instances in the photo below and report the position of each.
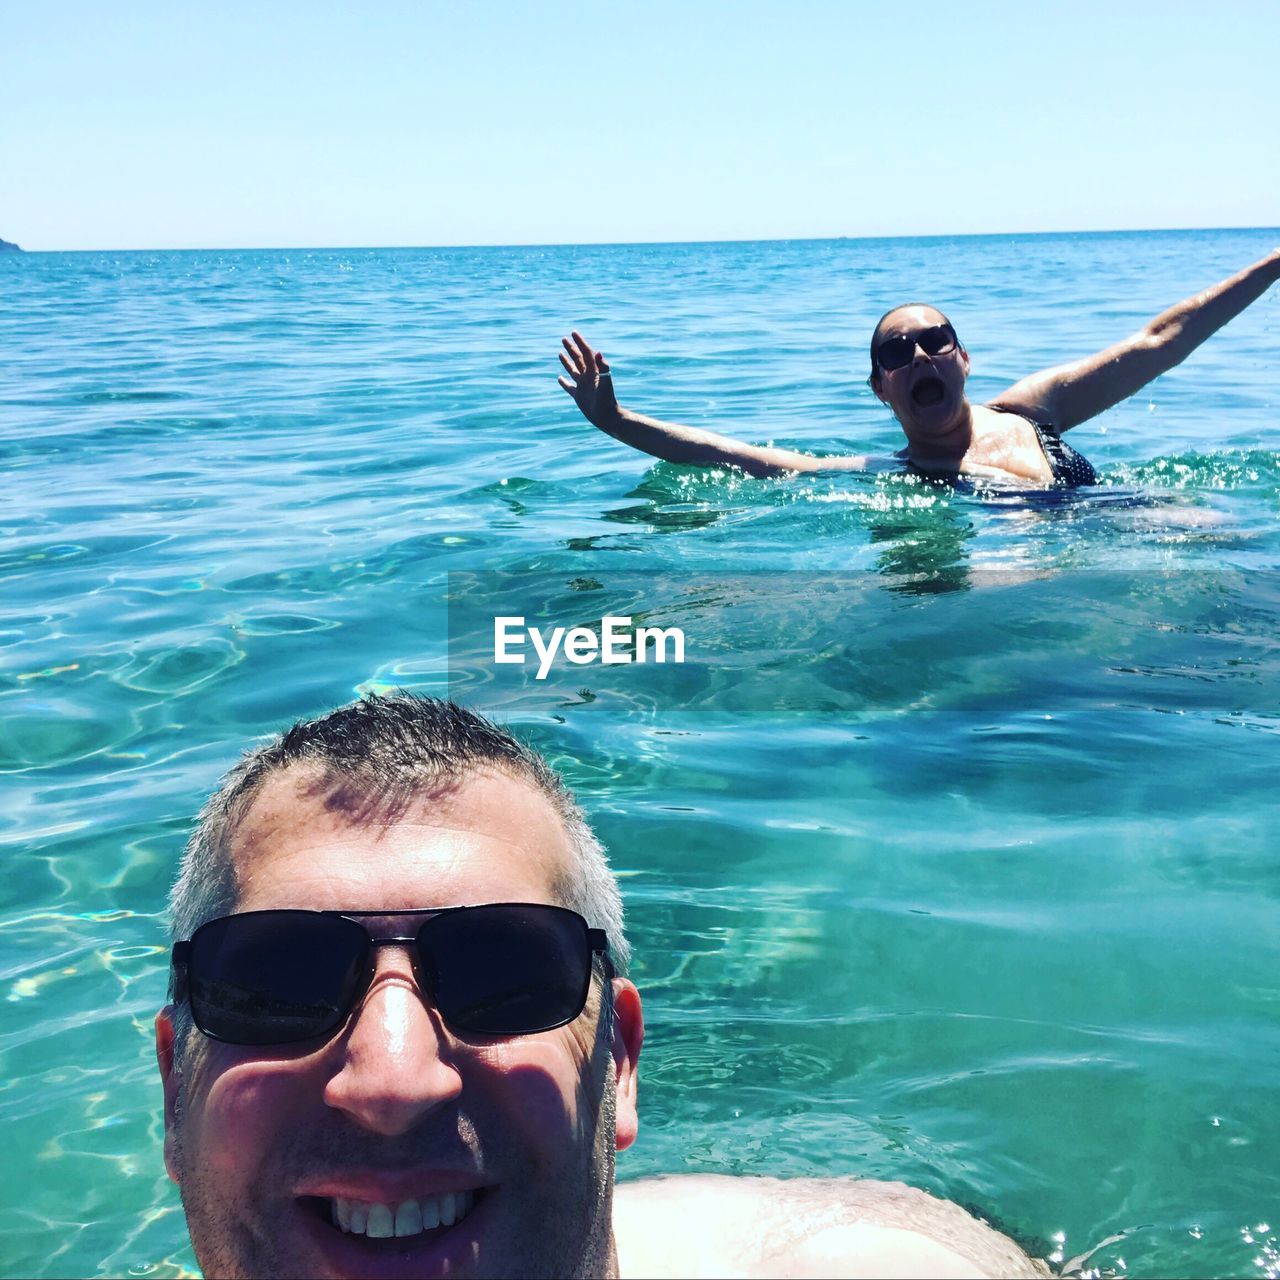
(928, 391)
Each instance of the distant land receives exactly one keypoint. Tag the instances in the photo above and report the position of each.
(8, 244)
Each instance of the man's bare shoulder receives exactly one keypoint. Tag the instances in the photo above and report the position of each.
(704, 1225)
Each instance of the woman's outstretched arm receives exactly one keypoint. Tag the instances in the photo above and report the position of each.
(1072, 393)
(590, 383)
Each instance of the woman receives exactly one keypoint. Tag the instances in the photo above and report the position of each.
(919, 368)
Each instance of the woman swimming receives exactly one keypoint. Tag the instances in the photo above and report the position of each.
(919, 368)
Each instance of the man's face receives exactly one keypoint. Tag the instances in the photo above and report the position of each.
(396, 1107)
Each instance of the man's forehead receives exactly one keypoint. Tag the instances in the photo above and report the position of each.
(486, 837)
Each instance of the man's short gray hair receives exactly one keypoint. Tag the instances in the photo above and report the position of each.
(379, 756)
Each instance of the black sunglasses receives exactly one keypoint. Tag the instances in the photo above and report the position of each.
(899, 351)
(279, 977)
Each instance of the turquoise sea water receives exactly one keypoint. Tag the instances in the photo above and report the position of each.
(953, 856)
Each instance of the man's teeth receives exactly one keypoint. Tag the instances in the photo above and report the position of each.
(407, 1218)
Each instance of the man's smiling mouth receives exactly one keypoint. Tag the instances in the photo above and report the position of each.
(383, 1221)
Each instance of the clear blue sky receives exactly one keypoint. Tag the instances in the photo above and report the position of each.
(148, 125)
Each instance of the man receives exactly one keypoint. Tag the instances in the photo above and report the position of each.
(919, 369)
(402, 1043)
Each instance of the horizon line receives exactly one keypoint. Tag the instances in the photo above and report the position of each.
(604, 244)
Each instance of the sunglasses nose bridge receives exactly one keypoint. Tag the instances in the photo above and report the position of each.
(424, 970)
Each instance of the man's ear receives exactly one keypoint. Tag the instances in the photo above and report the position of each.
(874, 383)
(628, 1036)
(964, 358)
(171, 1080)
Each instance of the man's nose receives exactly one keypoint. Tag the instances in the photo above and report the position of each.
(396, 1057)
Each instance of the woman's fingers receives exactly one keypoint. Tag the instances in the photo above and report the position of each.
(574, 362)
(567, 385)
(581, 363)
(584, 352)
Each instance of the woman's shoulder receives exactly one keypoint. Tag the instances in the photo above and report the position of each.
(998, 414)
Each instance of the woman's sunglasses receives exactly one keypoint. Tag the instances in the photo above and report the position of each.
(278, 977)
(899, 351)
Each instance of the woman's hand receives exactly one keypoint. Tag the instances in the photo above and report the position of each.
(592, 385)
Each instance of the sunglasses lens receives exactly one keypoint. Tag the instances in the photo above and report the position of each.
(508, 969)
(274, 977)
(894, 353)
(937, 340)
